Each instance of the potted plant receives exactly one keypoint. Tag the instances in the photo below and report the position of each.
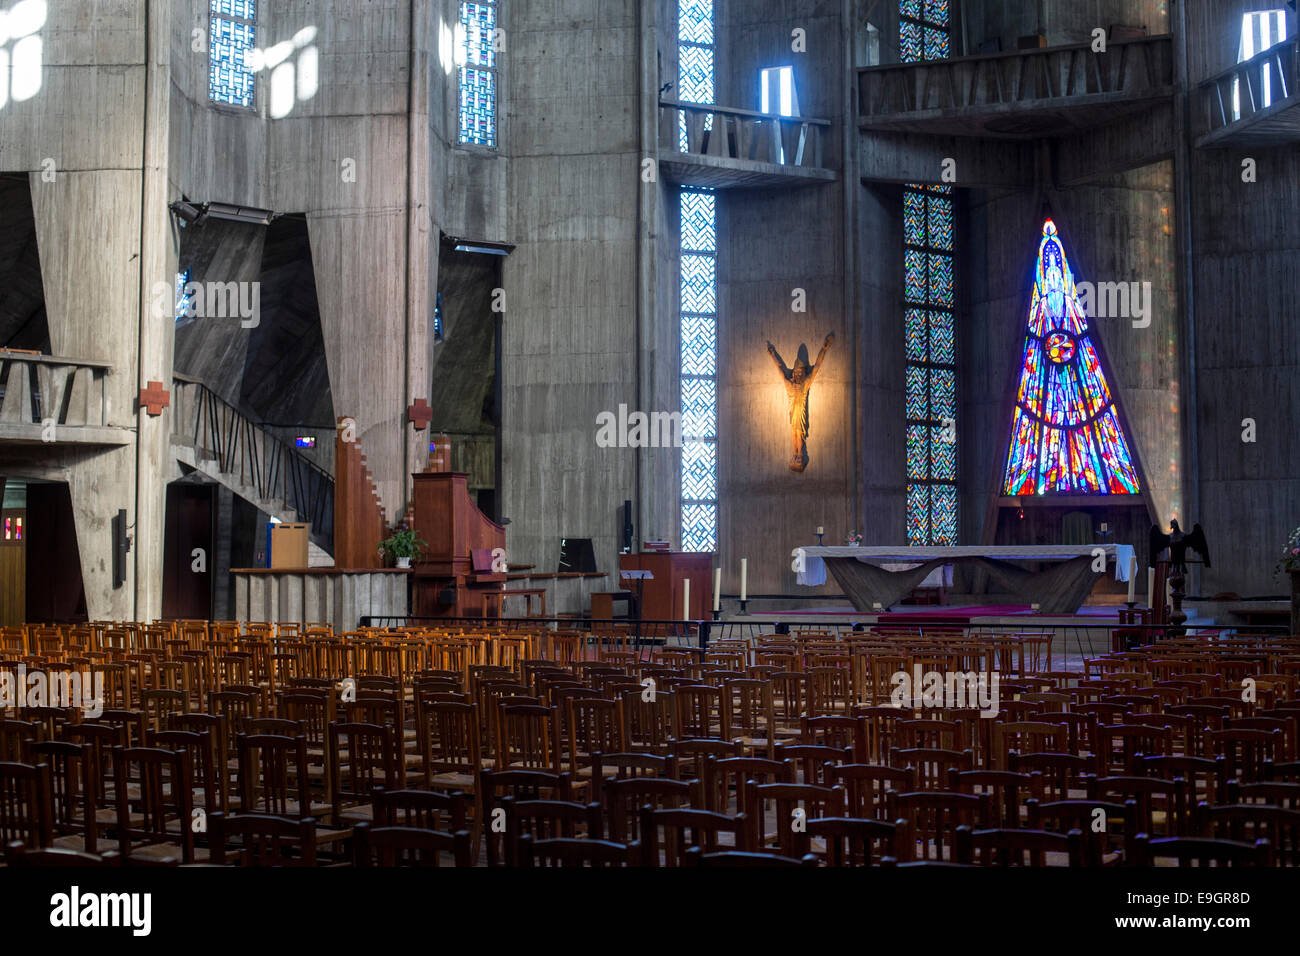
(1289, 561)
(402, 546)
(853, 539)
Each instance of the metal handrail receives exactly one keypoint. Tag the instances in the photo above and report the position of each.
(272, 467)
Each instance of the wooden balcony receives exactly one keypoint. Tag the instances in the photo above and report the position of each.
(1252, 103)
(52, 400)
(732, 148)
(1021, 95)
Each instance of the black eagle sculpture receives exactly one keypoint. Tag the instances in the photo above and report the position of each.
(1178, 541)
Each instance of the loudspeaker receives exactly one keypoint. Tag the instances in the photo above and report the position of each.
(119, 548)
(627, 526)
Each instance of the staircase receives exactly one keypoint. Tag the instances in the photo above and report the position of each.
(213, 437)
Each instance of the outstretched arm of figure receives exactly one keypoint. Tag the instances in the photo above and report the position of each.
(776, 357)
(830, 340)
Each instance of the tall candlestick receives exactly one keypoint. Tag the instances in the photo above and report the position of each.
(686, 599)
(819, 530)
(744, 579)
(1132, 576)
(717, 589)
(1151, 587)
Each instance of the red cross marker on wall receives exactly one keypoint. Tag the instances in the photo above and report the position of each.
(420, 414)
(155, 398)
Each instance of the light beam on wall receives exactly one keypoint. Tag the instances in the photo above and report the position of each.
(294, 78)
(21, 50)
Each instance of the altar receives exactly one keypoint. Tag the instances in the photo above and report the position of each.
(876, 577)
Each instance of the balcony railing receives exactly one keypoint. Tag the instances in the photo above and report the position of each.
(252, 457)
(725, 133)
(1001, 82)
(1250, 92)
(38, 389)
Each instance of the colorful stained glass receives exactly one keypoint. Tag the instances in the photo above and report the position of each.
(184, 301)
(918, 514)
(914, 275)
(910, 8)
(916, 323)
(940, 288)
(942, 347)
(918, 403)
(943, 515)
(911, 41)
(936, 44)
(1066, 433)
(943, 454)
(936, 12)
(913, 218)
(943, 394)
(477, 114)
(698, 321)
(918, 452)
(939, 220)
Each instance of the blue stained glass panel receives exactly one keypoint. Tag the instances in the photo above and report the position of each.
(914, 271)
(936, 44)
(699, 407)
(913, 218)
(699, 285)
(695, 21)
(699, 470)
(940, 289)
(699, 222)
(910, 8)
(936, 12)
(911, 46)
(244, 9)
(478, 106)
(479, 21)
(695, 74)
(229, 78)
(183, 298)
(700, 527)
(699, 345)
(943, 455)
(939, 221)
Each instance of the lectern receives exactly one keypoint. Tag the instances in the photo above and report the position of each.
(662, 597)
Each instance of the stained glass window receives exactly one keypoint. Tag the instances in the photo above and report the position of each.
(477, 56)
(232, 33)
(694, 60)
(1066, 433)
(930, 375)
(699, 336)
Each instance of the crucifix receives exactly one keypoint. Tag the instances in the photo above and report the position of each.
(798, 381)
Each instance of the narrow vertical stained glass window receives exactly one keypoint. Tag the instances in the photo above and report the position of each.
(694, 60)
(477, 58)
(699, 370)
(232, 33)
(929, 295)
(184, 301)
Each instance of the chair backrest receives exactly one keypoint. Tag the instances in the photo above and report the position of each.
(273, 775)
(261, 840)
(25, 814)
(409, 846)
(153, 789)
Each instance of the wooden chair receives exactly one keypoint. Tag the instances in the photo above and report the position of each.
(73, 783)
(366, 759)
(273, 777)
(25, 809)
(17, 854)
(409, 846)
(1200, 852)
(1017, 847)
(546, 820)
(853, 841)
(793, 805)
(159, 784)
(667, 834)
(1108, 845)
(577, 853)
(935, 815)
(261, 840)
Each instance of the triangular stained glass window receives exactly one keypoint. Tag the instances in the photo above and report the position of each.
(1066, 433)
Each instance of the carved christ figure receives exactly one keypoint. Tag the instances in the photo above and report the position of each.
(798, 381)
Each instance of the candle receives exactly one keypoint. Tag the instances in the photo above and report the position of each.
(1103, 527)
(1132, 576)
(744, 579)
(819, 530)
(1151, 587)
(717, 589)
(686, 599)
